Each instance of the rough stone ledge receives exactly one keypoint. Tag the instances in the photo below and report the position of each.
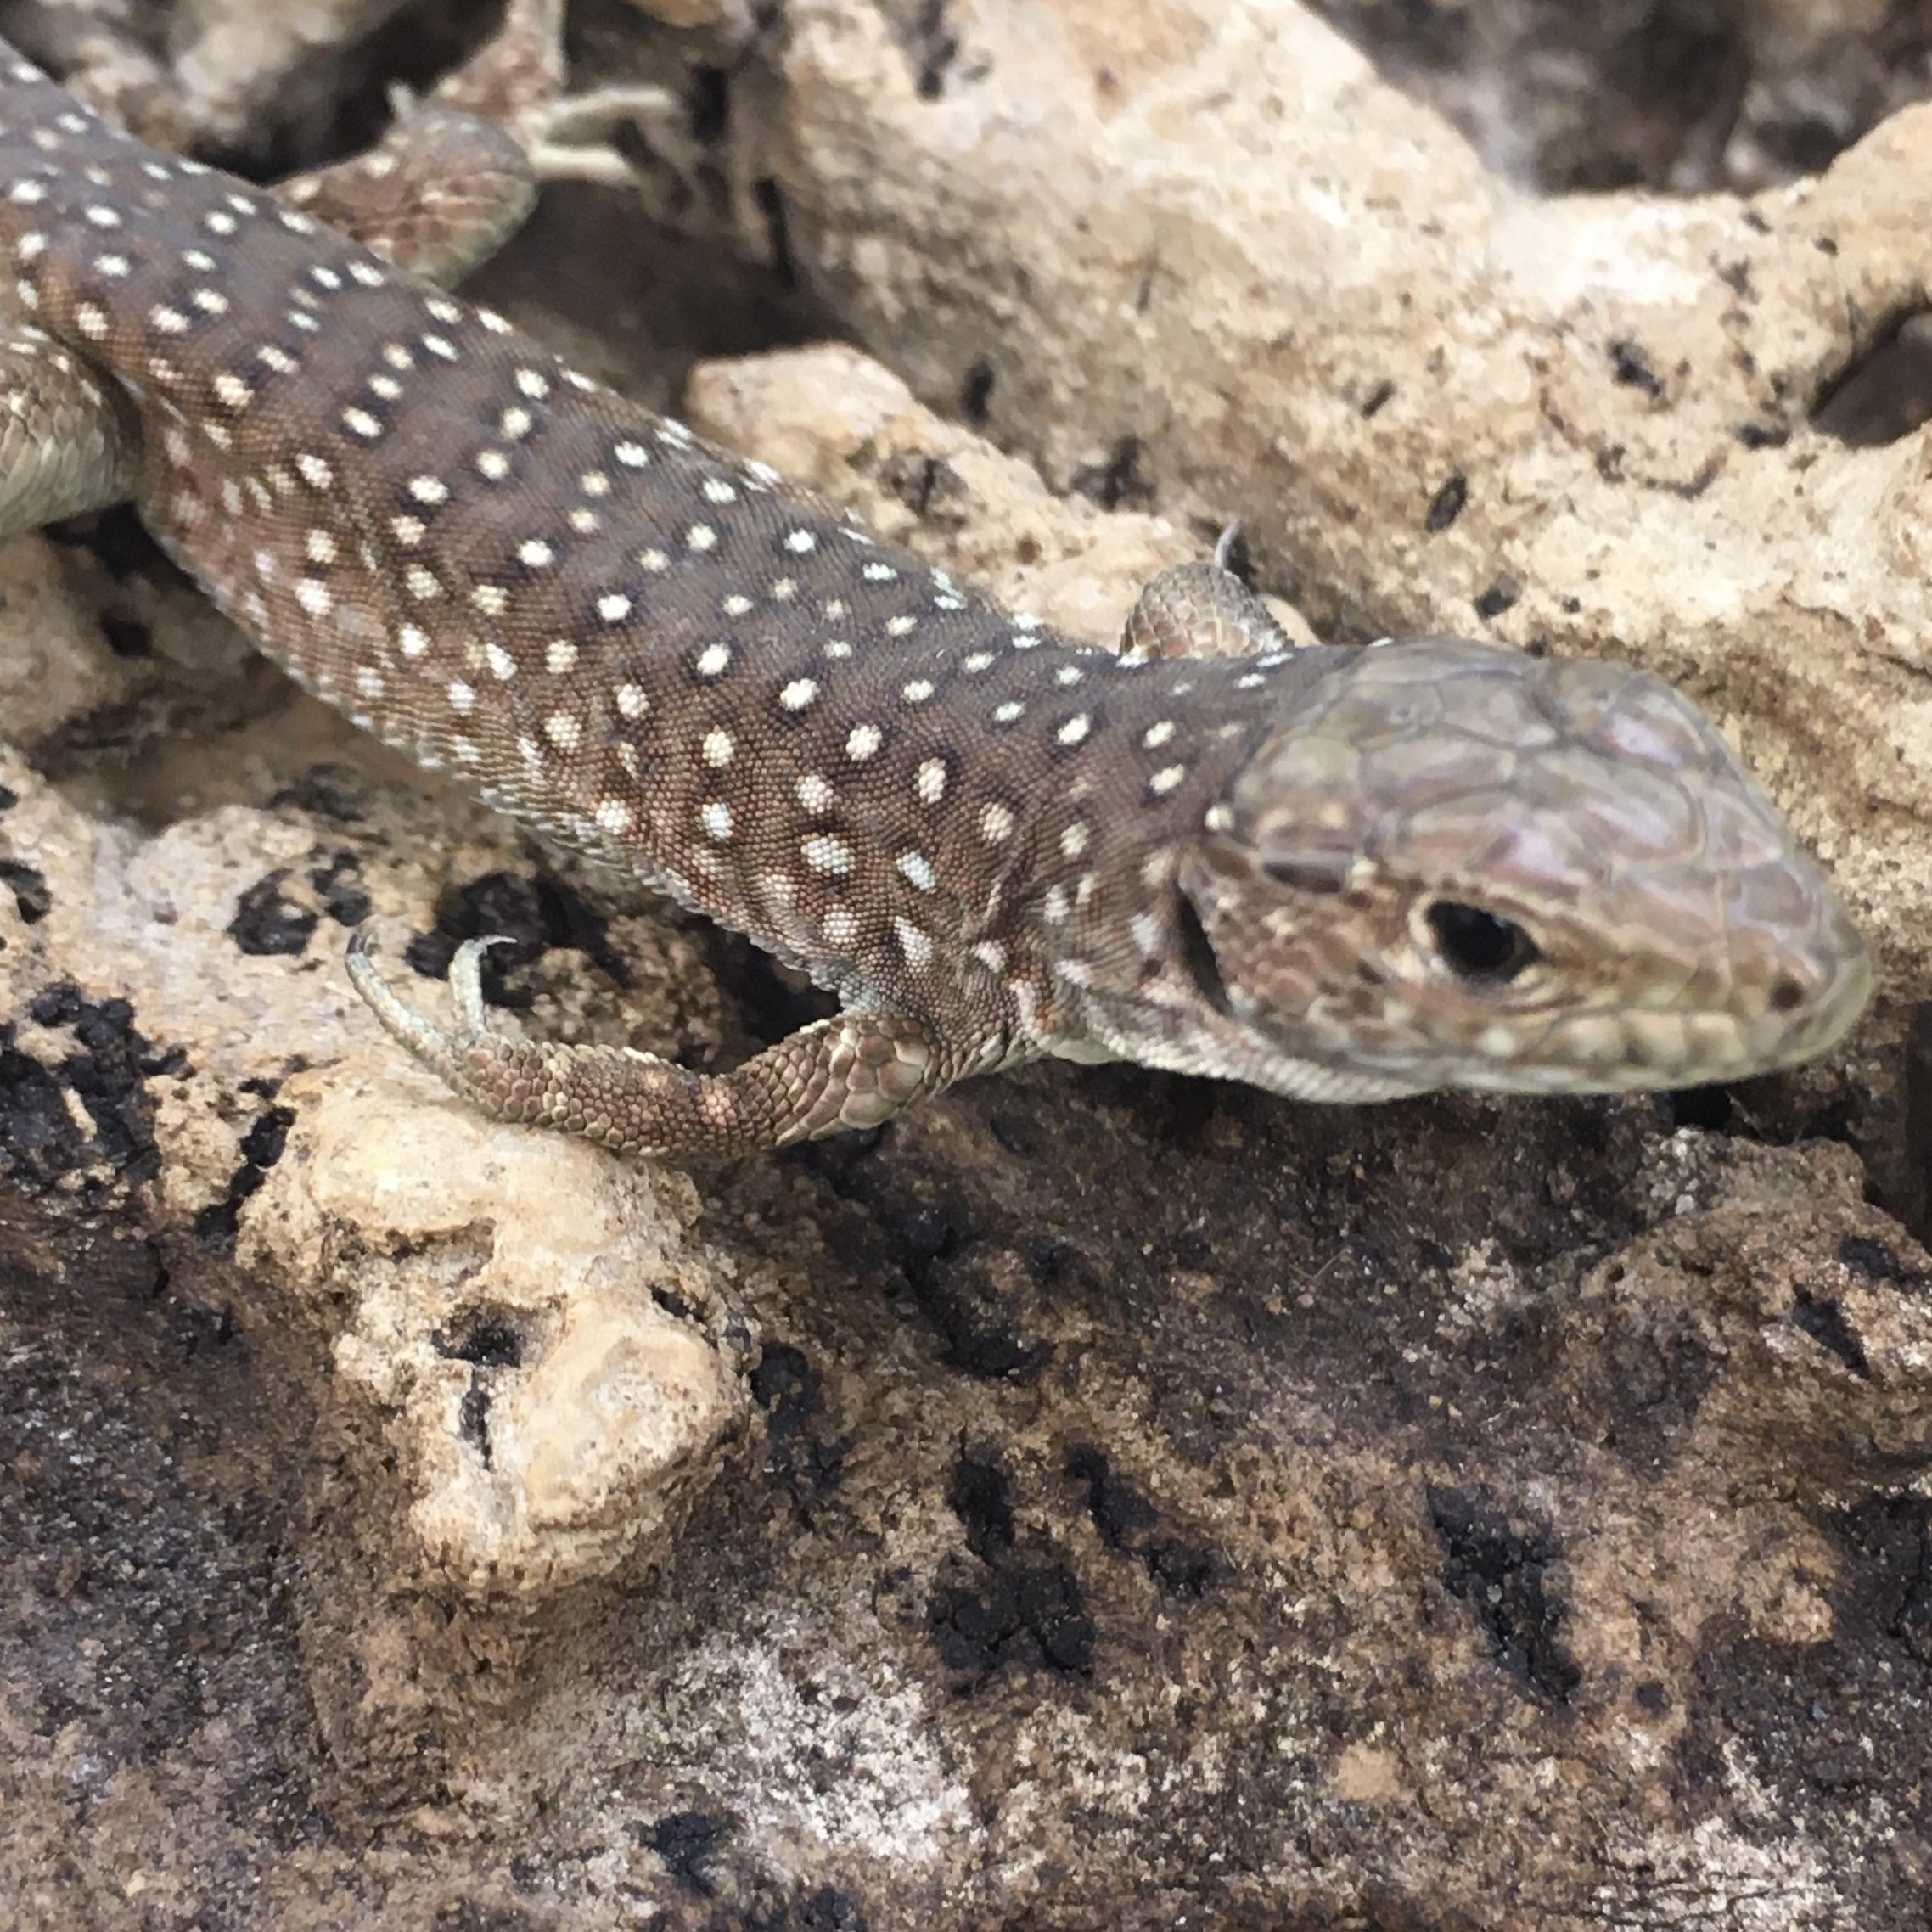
(1147, 1500)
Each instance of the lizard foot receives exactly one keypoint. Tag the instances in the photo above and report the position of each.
(854, 1070)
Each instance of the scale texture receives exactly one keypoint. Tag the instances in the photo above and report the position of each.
(1341, 875)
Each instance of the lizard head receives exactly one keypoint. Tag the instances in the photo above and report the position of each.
(1455, 866)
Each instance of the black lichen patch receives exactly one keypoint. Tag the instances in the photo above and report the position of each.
(484, 1337)
(1126, 1521)
(974, 1297)
(932, 47)
(788, 1387)
(976, 395)
(929, 485)
(792, 1394)
(973, 1293)
(1117, 482)
(337, 879)
(1024, 1614)
(28, 883)
(39, 1141)
(688, 1844)
(981, 1494)
(472, 1421)
(106, 1071)
(487, 1340)
(1498, 1570)
(1447, 505)
(261, 1147)
(1024, 1607)
(1873, 1260)
(268, 923)
(326, 791)
(1823, 1318)
(1501, 595)
(1630, 367)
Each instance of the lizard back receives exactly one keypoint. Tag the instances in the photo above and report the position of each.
(656, 652)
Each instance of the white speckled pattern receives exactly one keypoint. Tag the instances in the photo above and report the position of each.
(992, 843)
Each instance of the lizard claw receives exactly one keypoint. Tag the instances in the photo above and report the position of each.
(429, 1044)
(576, 138)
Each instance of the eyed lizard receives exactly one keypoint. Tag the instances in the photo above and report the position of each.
(1340, 874)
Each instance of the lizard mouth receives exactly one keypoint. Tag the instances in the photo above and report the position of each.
(1444, 989)
(1803, 1006)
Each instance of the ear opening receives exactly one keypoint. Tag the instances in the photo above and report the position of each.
(1197, 957)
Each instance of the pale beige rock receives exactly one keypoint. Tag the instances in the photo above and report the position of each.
(393, 1217)
(846, 428)
(524, 1479)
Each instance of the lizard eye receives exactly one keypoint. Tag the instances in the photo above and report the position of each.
(1477, 946)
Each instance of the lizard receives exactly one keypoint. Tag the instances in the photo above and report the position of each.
(1339, 875)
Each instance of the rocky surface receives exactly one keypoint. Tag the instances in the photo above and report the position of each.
(1099, 1498)
(1686, 94)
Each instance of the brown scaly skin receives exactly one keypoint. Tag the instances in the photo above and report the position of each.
(1343, 875)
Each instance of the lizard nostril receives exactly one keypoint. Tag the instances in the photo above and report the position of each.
(1786, 995)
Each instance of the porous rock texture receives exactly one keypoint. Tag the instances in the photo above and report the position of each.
(1098, 1498)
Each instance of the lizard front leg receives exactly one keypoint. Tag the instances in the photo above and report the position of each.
(854, 1070)
(1201, 610)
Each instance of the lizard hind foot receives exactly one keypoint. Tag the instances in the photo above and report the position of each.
(447, 1052)
(632, 1102)
(852, 1071)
